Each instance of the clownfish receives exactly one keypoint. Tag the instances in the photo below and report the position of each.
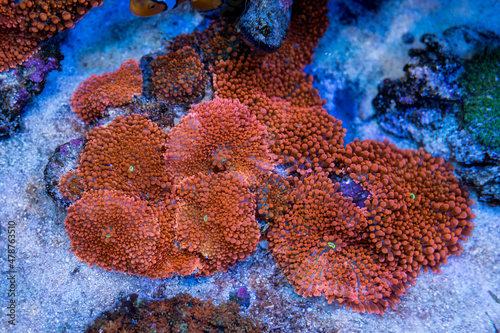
(146, 8)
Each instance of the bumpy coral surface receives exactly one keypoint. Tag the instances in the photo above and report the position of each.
(216, 219)
(182, 313)
(272, 194)
(217, 42)
(179, 76)
(115, 89)
(365, 255)
(169, 258)
(113, 230)
(274, 87)
(281, 95)
(24, 24)
(216, 136)
(70, 186)
(202, 223)
(126, 155)
(122, 171)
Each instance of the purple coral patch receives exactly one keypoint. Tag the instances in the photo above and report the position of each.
(41, 68)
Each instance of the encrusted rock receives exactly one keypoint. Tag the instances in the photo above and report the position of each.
(64, 159)
(22, 83)
(427, 106)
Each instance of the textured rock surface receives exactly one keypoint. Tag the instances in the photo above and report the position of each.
(264, 23)
(64, 159)
(426, 106)
(19, 85)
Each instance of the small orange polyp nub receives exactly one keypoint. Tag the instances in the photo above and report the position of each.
(145, 8)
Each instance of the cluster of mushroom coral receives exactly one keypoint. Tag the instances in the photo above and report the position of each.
(355, 224)
(365, 253)
(156, 204)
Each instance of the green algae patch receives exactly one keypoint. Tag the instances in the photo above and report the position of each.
(481, 83)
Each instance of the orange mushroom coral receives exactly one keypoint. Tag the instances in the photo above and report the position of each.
(179, 77)
(114, 89)
(320, 244)
(217, 136)
(216, 220)
(365, 253)
(127, 155)
(415, 190)
(276, 90)
(113, 230)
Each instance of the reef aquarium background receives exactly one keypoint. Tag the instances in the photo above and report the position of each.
(250, 166)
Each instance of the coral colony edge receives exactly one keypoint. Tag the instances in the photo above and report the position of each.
(173, 166)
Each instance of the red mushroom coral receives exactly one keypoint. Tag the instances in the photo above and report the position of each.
(364, 254)
(126, 155)
(170, 259)
(217, 42)
(274, 87)
(418, 207)
(206, 225)
(179, 76)
(114, 89)
(123, 163)
(272, 195)
(113, 230)
(216, 136)
(281, 95)
(216, 220)
(319, 244)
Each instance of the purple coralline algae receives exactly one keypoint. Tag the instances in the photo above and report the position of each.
(22, 83)
(40, 68)
(241, 297)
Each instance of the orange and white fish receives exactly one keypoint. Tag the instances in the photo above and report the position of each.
(146, 8)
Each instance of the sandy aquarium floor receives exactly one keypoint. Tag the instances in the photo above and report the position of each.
(56, 292)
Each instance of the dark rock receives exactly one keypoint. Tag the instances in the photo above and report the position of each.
(147, 73)
(408, 38)
(64, 159)
(264, 24)
(428, 93)
(465, 41)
